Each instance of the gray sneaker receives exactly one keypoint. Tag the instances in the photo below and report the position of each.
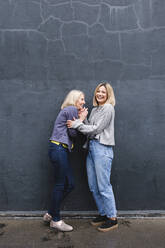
(61, 226)
(47, 217)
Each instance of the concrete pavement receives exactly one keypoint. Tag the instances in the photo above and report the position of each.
(33, 233)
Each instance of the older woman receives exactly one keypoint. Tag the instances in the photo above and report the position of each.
(99, 129)
(61, 143)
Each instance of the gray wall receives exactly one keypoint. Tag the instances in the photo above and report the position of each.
(48, 47)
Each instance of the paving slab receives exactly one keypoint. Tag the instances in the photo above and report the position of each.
(33, 233)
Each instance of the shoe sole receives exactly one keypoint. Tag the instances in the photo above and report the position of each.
(97, 224)
(107, 229)
(55, 228)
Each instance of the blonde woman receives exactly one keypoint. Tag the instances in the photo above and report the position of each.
(100, 132)
(61, 143)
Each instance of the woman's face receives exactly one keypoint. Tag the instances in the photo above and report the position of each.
(80, 102)
(101, 95)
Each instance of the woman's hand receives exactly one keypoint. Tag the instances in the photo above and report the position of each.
(69, 123)
(83, 114)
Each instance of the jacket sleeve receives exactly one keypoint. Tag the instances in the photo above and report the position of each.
(87, 121)
(102, 122)
(72, 132)
(72, 113)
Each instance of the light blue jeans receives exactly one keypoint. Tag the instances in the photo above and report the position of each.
(99, 163)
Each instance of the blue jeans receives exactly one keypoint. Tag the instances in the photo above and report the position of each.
(99, 162)
(63, 178)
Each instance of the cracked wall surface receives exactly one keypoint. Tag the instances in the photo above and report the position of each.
(48, 47)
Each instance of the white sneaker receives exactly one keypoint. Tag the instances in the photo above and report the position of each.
(47, 217)
(61, 225)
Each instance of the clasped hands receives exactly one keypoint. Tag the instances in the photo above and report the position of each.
(82, 114)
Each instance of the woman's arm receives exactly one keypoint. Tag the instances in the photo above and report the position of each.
(103, 120)
(71, 113)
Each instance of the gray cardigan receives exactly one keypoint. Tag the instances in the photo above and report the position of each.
(100, 124)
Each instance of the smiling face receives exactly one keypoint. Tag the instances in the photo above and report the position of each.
(80, 102)
(101, 95)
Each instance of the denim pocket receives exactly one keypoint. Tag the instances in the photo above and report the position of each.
(100, 150)
(109, 152)
(53, 152)
(52, 155)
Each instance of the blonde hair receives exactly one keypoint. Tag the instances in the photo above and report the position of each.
(71, 98)
(110, 94)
